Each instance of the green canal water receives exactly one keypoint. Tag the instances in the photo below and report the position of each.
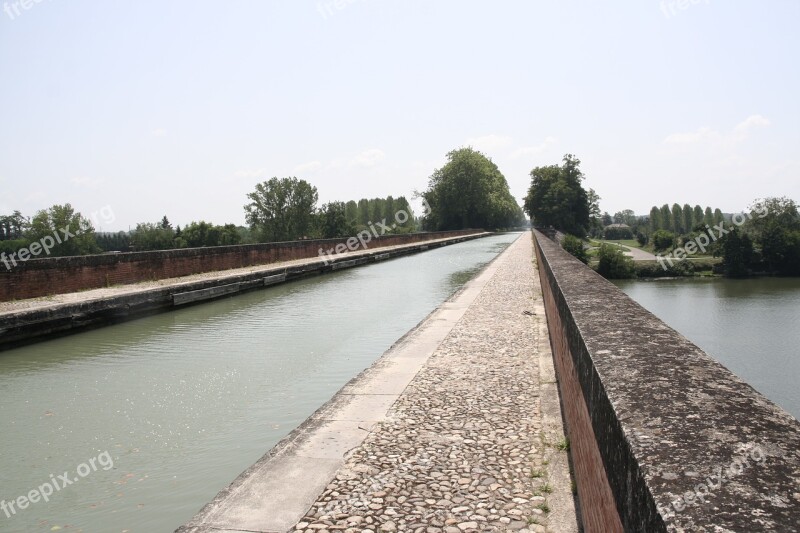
(752, 326)
(182, 402)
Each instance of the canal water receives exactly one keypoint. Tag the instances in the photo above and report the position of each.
(182, 402)
(752, 326)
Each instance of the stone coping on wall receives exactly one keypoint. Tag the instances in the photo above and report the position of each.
(686, 445)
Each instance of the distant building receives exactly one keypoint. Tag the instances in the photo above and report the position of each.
(617, 232)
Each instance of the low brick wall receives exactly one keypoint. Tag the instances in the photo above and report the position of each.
(60, 275)
(662, 437)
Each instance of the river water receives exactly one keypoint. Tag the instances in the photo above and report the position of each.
(752, 326)
(183, 402)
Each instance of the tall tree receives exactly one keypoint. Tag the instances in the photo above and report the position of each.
(282, 209)
(688, 218)
(12, 226)
(75, 232)
(469, 191)
(666, 218)
(333, 221)
(698, 216)
(655, 220)
(775, 225)
(594, 203)
(708, 216)
(557, 198)
(677, 219)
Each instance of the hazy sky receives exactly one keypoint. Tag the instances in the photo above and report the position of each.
(181, 107)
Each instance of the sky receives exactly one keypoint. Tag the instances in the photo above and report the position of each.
(144, 109)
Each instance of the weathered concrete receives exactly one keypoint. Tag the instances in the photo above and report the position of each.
(663, 437)
(444, 432)
(26, 321)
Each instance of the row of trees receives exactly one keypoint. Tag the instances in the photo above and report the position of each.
(162, 236)
(284, 209)
(469, 191)
(769, 241)
(72, 233)
(682, 220)
(13, 226)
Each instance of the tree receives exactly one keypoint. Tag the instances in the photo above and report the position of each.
(775, 226)
(626, 216)
(165, 223)
(282, 209)
(613, 263)
(698, 217)
(655, 220)
(737, 253)
(469, 191)
(688, 218)
(149, 236)
(662, 240)
(333, 221)
(75, 232)
(199, 234)
(666, 218)
(13, 226)
(718, 216)
(677, 219)
(574, 246)
(556, 197)
(594, 203)
(708, 217)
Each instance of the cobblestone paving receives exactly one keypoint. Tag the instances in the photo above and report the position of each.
(463, 448)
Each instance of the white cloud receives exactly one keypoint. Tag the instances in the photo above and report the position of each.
(251, 173)
(86, 182)
(534, 150)
(742, 129)
(307, 168)
(488, 143)
(159, 132)
(368, 158)
(701, 135)
(738, 134)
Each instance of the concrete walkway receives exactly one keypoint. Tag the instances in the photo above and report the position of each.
(456, 428)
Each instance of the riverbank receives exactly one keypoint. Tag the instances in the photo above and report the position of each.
(25, 321)
(456, 428)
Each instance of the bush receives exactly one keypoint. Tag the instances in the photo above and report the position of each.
(663, 240)
(614, 264)
(655, 269)
(574, 246)
(13, 246)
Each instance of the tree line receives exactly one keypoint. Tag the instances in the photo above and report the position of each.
(19, 232)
